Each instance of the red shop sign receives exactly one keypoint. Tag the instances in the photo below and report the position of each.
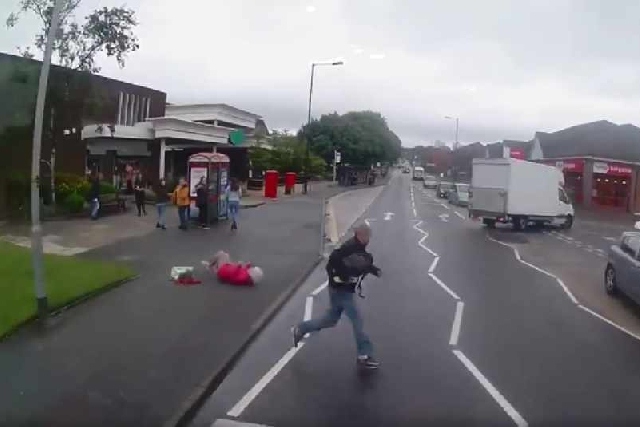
(615, 169)
(517, 153)
(571, 165)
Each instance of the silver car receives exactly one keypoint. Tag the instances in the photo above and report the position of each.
(459, 195)
(622, 273)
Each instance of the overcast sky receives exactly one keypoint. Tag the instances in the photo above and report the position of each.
(505, 68)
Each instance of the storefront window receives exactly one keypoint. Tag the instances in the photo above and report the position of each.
(610, 190)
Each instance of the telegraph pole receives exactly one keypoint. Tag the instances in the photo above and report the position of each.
(36, 227)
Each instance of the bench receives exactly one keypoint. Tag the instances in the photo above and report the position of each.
(112, 203)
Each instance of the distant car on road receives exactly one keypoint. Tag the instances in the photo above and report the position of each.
(459, 195)
(443, 189)
(406, 170)
(430, 182)
(622, 273)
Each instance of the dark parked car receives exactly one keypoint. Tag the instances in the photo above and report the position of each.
(623, 268)
(443, 189)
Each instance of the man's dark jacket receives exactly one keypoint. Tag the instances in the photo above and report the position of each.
(337, 267)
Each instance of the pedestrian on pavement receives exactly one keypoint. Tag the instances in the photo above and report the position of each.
(201, 202)
(346, 267)
(182, 199)
(234, 273)
(94, 195)
(139, 195)
(234, 193)
(162, 198)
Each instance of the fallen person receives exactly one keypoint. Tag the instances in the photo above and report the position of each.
(233, 273)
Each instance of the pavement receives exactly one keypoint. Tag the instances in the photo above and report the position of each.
(134, 355)
(470, 327)
(75, 236)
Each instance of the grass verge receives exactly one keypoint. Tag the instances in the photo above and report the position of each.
(66, 279)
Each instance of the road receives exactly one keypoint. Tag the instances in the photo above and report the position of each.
(467, 334)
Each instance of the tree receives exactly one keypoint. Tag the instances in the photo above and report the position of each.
(108, 30)
(362, 137)
(286, 155)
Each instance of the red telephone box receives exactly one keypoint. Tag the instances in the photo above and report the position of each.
(214, 168)
(289, 182)
(271, 184)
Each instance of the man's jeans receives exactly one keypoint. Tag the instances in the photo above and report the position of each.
(182, 214)
(341, 301)
(95, 208)
(162, 213)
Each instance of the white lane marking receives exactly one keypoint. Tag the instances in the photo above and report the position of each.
(246, 400)
(320, 288)
(535, 267)
(415, 214)
(388, 216)
(611, 239)
(444, 217)
(432, 267)
(443, 286)
(368, 221)
(229, 423)
(604, 319)
(459, 214)
(308, 308)
(569, 238)
(425, 247)
(445, 206)
(457, 323)
(497, 396)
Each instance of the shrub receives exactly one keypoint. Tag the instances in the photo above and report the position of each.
(74, 203)
(67, 184)
(107, 188)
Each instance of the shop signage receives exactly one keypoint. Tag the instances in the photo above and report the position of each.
(612, 169)
(569, 165)
(517, 153)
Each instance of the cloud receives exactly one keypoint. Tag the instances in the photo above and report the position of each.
(507, 69)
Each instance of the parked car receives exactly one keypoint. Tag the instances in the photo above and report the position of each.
(430, 182)
(406, 170)
(622, 273)
(443, 188)
(459, 194)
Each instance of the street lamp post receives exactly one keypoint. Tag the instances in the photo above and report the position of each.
(455, 145)
(36, 227)
(307, 148)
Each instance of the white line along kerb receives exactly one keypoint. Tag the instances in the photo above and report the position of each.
(246, 400)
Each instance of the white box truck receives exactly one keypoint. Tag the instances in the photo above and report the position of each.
(518, 192)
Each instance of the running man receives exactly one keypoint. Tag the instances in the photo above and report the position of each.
(347, 265)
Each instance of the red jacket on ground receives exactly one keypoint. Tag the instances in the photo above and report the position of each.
(235, 274)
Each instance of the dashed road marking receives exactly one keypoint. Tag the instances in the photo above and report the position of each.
(459, 214)
(497, 396)
(457, 322)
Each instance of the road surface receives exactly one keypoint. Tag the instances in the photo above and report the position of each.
(467, 334)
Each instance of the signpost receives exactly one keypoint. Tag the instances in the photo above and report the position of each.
(336, 159)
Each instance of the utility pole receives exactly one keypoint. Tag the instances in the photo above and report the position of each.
(36, 227)
(307, 148)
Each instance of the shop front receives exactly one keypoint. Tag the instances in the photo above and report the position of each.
(611, 184)
(597, 182)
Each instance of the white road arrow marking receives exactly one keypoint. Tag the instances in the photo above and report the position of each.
(388, 216)
(444, 217)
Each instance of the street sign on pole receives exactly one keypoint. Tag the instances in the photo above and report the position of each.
(338, 156)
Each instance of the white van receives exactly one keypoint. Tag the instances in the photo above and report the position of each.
(418, 173)
(519, 192)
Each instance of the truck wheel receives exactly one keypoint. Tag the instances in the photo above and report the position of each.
(490, 223)
(520, 223)
(568, 222)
